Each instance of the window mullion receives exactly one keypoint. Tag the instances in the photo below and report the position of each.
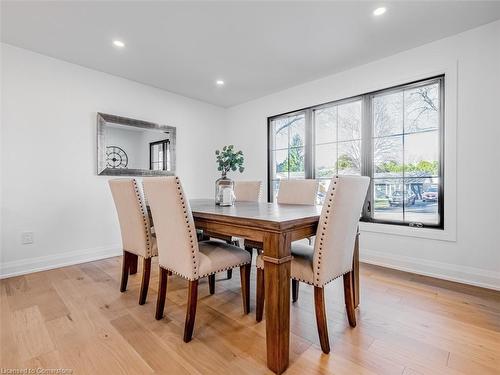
(309, 142)
(367, 152)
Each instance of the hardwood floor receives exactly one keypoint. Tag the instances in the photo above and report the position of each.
(75, 317)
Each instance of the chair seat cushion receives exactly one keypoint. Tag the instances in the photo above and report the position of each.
(216, 256)
(302, 262)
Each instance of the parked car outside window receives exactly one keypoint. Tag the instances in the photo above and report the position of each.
(431, 194)
(399, 197)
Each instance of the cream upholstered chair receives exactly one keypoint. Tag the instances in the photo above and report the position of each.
(180, 252)
(247, 191)
(297, 192)
(292, 192)
(244, 191)
(135, 230)
(332, 254)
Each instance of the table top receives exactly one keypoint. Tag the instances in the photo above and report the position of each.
(267, 215)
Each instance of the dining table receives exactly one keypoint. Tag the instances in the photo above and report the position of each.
(275, 227)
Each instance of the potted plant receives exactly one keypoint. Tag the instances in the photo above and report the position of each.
(228, 160)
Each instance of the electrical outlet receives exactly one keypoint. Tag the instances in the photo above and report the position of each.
(27, 238)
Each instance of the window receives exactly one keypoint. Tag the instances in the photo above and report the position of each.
(288, 148)
(337, 142)
(394, 136)
(159, 155)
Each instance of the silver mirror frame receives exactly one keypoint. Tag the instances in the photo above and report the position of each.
(103, 170)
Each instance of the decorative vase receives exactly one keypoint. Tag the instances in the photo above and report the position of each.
(224, 191)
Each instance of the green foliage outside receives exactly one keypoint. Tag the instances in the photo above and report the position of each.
(345, 162)
(425, 167)
(295, 159)
(229, 160)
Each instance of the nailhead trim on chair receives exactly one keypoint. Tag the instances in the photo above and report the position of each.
(190, 227)
(318, 285)
(204, 275)
(225, 269)
(321, 285)
(176, 273)
(320, 248)
(147, 226)
(322, 234)
(308, 282)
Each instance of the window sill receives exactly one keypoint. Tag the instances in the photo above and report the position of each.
(407, 231)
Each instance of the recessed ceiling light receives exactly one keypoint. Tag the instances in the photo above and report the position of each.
(219, 82)
(118, 43)
(379, 11)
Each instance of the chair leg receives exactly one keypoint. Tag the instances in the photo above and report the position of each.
(191, 310)
(211, 283)
(134, 259)
(349, 298)
(162, 293)
(125, 270)
(259, 306)
(249, 249)
(295, 290)
(230, 272)
(245, 287)
(319, 305)
(355, 270)
(146, 272)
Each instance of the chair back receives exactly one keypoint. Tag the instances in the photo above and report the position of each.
(174, 226)
(247, 191)
(135, 226)
(337, 227)
(297, 192)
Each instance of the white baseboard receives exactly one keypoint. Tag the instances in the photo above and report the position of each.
(452, 272)
(25, 266)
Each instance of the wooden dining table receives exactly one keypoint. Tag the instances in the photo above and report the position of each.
(274, 226)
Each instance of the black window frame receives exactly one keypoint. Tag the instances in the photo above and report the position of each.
(367, 130)
(166, 144)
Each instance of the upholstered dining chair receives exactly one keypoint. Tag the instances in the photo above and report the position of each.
(180, 252)
(247, 191)
(297, 192)
(135, 228)
(302, 192)
(332, 254)
(244, 191)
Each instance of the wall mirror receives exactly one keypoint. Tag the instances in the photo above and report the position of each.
(129, 147)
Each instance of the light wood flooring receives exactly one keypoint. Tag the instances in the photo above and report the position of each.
(75, 317)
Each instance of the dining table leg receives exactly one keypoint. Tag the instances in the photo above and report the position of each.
(277, 259)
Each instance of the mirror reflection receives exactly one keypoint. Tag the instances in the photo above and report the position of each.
(133, 147)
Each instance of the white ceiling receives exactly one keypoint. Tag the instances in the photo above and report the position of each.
(256, 47)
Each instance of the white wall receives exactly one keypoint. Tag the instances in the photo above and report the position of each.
(469, 249)
(50, 185)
